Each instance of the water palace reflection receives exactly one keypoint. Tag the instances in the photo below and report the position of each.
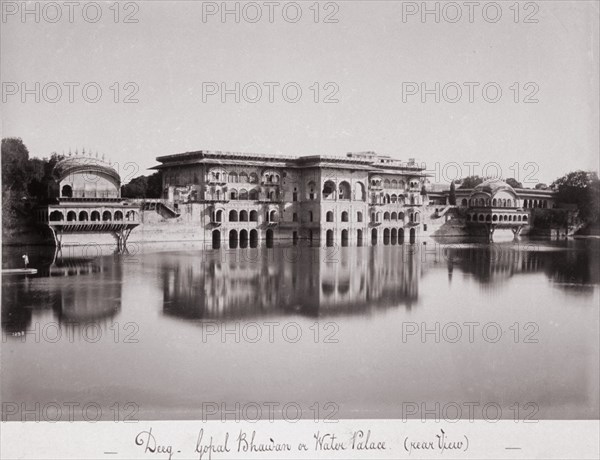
(314, 282)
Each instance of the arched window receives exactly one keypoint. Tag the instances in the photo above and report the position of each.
(243, 194)
(233, 177)
(387, 199)
(71, 216)
(386, 216)
(394, 216)
(253, 216)
(67, 192)
(386, 183)
(106, 216)
(359, 216)
(394, 183)
(344, 216)
(310, 191)
(360, 191)
(253, 178)
(329, 190)
(118, 215)
(243, 178)
(243, 216)
(463, 202)
(394, 198)
(329, 216)
(273, 216)
(253, 195)
(233, 216)
(344, 191)
(96, 216)
(83, 216)
(401, 216)
(233, 195)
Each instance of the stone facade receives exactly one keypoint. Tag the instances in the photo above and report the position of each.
(246, 199)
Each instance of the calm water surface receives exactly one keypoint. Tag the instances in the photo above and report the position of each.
(170, 330)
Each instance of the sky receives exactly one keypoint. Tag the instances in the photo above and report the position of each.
(369, 65)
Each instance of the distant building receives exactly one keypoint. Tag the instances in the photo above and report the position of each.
(360, 199)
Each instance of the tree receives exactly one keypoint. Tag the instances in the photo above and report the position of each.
(15, 165)
(541, 186)
(452, 196)
(581, 188)
(471, 182)
(514, 183)
(143, 187)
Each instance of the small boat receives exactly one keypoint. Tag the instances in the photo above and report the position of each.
(19, 271)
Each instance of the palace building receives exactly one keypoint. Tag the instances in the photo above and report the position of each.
(240, 199)
(88, 201)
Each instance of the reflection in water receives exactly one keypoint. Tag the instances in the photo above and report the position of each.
(312, 282)
(249, 283)
(76, 290)
(368, 292)
(492, 264)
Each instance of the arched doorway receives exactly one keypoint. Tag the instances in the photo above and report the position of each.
(269, 238)
(374, 237)
(344, 238)
(243, 239)
(233, 239)
(253, 238)
(359, 238)
(394, 236)
(329, 238)
(386, 236)
(216, 239)
(413, 234)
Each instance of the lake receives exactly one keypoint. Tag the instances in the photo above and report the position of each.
(467, 330)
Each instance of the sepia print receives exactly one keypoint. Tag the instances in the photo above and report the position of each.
(305, 229)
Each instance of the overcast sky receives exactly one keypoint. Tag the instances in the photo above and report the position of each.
(367, 55)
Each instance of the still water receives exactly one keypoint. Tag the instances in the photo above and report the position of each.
(373, 332)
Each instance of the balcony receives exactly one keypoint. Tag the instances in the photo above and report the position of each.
(214, 181)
